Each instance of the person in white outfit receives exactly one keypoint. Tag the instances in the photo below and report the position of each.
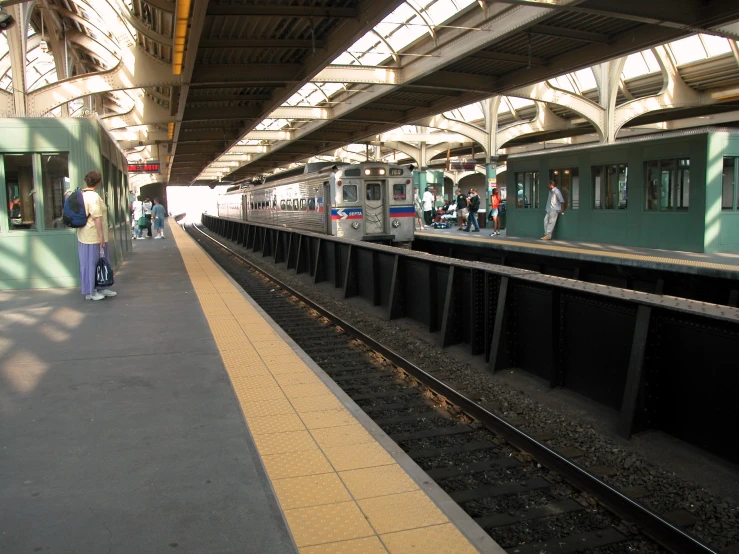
(555, 207)
(137, 211)
(428, 205)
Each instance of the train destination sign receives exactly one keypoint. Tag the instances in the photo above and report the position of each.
(148, 167)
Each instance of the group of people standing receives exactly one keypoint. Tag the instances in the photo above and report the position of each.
(142, 215)
(467, 206)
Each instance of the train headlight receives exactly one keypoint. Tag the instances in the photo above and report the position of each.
(382, 171)
(367, 172)
(355, 224)
(395, 223)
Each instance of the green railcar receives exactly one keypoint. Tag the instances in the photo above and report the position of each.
(675, 191)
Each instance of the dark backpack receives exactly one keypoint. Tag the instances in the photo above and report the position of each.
(74, 214)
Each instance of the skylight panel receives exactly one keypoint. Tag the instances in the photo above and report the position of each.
(716, 46)
(686, 50)
(652, 63)
(442, 10)
(635, 66)
(562, 82)
(586, 79)
(471, 112)
(518, 103)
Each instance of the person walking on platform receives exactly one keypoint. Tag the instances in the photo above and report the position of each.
(137, 212)
(159, 213)
(474, 205)
(428, 205)
(92, 239)
(147, 215)
(495, 206)
(555, 207)
(461, 209)
(418, 204)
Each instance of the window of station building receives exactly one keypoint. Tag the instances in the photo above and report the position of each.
(729, 184)
(349, 193)
(20, 191)
(568, 182)
(610, 186)
(527, 189)
(668, 185)
(55, 182)
(399, 192)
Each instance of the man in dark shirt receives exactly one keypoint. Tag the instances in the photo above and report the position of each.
(474, 205)
(461, 208)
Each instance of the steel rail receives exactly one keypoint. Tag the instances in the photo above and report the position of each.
(661, 531)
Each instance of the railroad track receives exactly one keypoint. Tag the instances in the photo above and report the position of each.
(528, 497)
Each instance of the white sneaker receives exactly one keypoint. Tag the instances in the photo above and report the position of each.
(95, 296)
(107, 292)
(158, 237)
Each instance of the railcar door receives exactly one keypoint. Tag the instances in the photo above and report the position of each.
(374, 208)
(324, 206)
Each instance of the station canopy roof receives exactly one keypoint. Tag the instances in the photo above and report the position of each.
(270, 83)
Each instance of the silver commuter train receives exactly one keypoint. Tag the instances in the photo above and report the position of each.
(366, 201)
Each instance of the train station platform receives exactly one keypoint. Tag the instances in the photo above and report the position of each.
(720, 264)
(178, 417)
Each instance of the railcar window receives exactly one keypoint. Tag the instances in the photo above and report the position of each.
(374, 191)
(295, 204)
(728, 184)
(55, 179)
(302, 204)
(312, 205)
(610, 186)
(351, 172)
(568, 182)
(288, 206)
(349, 193)
(527, 189)
(282, 204)
(399, 192)
(668, 185)
(19, 188)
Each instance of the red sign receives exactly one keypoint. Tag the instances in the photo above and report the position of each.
(150, 167)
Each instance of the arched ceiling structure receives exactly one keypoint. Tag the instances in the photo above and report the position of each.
(227, 89)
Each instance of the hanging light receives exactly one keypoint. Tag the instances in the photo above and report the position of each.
(43, 45)
(6, 20)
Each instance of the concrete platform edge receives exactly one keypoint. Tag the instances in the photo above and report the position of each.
(251, 443)
(456, 515)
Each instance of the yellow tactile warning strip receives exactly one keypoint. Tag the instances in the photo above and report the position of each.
(339, 489)
(604, 253)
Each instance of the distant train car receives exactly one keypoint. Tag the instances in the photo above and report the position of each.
(368, 201)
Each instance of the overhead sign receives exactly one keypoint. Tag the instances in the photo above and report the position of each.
(148, 167)
(465, 166)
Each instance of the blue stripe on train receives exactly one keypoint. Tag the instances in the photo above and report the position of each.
(402, 211)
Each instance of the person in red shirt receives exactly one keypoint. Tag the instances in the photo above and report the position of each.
(495, 205)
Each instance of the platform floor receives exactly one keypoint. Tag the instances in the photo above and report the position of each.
(177, 417)
(725, 264)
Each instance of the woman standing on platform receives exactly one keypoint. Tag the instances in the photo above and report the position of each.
(93, 237)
